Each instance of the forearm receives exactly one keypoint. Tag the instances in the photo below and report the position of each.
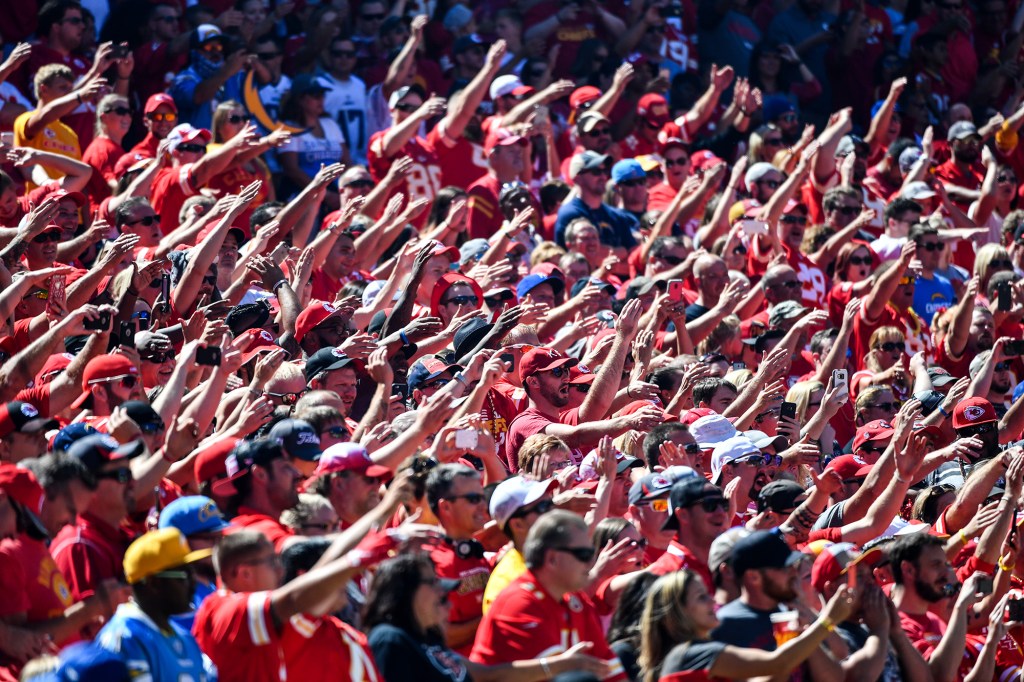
(397, 136)
(578, 435)
(946, 657)
(207, 88)
(376, 413)
(702, 109)
(398, 72)
(701, 328)
(68, 251)
(48, 113)
(16, 373)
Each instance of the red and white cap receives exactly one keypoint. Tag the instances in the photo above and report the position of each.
(314, 314)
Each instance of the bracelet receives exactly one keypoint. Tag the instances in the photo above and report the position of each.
(1003, 567)
(405, 339)
(962, 537)
(164, 457)
(459, 377)
(545, 668)
(277, 285)
(943, 412)
(827, 623)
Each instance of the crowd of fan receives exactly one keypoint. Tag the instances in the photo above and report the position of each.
(389, 340)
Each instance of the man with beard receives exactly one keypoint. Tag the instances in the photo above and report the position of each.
(544, 373)
(91, 550)
(766, 571)
(932, 291)
(698, 513)
(262, 483)
(589, 171)
(921, 573)
(456, 496)
(108, 381)
(734, 458)
(349, 479)
(963, 173)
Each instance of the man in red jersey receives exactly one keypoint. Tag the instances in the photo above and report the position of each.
(160, 115)
(544, 611)
(506, 154)
(698, 512)
(456, 496)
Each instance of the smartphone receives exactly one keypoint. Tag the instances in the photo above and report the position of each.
(127, 334)
(984, 585)
(120, 51)
(466, 439)
(1005, 296)
(209, 357)
(1015, 610)
(400, 389)
(752, 227)
(675, 290)
(510, 361)
(1015, 347)
(839, 378)
(100, 324)
(143, 317)
(165, 293)
(788, 410)
(58, 293)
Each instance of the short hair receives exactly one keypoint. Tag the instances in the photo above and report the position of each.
(551, 530)
(868, 395)
(1011, 223)
(909, 548)
(535, 446)
(236, 548)
(830, 201)
(263, 214)
(54, 472)
(552, 194)
(899, 206)
(309, 504)
(662, 244)
(544, 252)
(125, 208)
(195, 200)
(1001, 277)
(821, 337)
(48, 73)
(442, 479)
(577, 225)
(705, 389)
(920, 231)
(52, 13)
(661, 433)
(319, 416)
(301, 557)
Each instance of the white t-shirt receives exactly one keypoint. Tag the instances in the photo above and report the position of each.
(888, 248)
(345, 102)
(313, 150)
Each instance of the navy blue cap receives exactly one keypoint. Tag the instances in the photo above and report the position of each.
(298, 438)
(530, 281)
(427, 369)
(469, 335)
(627, 169)
(584, 281)
(96, 450)
(305, 83)
(762, 549)
(69, 434)
(326, 360)
(193, 514)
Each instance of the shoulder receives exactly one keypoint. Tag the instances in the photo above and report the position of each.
(691, 656)
(386, 636)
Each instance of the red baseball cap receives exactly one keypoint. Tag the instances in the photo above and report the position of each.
(581, 374)
(502, 137)
(102, 368)
(878, 429)
(672, 135)
(210, 463)
(837, 559)
(450, 251)
(704, 160)
(260, 341)
(54, 364)
(543, 360)
(972, 412)
(580, 96)
(696, 413)
(654, 108)
(348, 457)
(60, 194)
(24, 490)
(315, 313)
(155, 101)
(849, 466)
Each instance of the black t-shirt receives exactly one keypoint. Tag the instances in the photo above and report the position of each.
(627, 651)
(692, 657)
(695, 310)
(401, 657)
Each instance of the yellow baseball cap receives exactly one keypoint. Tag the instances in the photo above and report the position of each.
(157, 551)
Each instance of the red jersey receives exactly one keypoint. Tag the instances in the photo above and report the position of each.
(915, 331)
(484, 216)
(424, 178)
(313, 645)
(102, 155)
(498, 411)
(250, 519)
(815, 284)
(31, 583)
(237, 632)
(969, 178)
(89, 552)
(467, 601)
(155, 68)
(925, 632)
(633, 145)
(462, 162)
(171, 187)
(958, 367)
(526, 622)
(678, 557)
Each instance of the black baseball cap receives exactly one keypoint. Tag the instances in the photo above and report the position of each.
(298, 438)
(96, 450)
(326, 360)
(779, 496)
(762, 549)
(241, 460)
(687, 492)
(143, 414)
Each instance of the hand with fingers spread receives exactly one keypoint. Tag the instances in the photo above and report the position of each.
(359, 345)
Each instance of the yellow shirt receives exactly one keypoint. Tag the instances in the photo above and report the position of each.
(505, 571)
(56, 137)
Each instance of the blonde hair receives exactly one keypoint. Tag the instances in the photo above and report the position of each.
(221, 114)
(535, 446)
(983, 262)
(546, 252)
(739, 377)
(800, 393)
(49, 73)
(728, 328)
(665, 621)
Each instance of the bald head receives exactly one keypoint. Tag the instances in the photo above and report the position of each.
(781, 284)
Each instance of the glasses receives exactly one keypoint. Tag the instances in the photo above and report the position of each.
(739, 250)
(659, 505)
(631, 183)
(582, 554)
(120, 111)
(150, 428)
(472, 498)
(774, 184)
(670, 260)
(930, 246)
(285, 398)
(681, 161)
(598, 132)
(122, 475)
(848, 210)
(407, 107)
(170, 117)
(145, 220)
(337, 432)
(580, 388)
(212, 46)
(870, 448)
(128, 381)
(52, 236)
(789, 284)
(889, 346)
(267, 56)
(858, 260)
(157, 358)
(244, 118)
(360, 184)
(436, 383)
(907, 280)
(194, 148)
(977, 430)
(173, 575)
(541, 507)
(885, 407)
(462, 300)
(766, 414)
(558, 372)
(711, 504)
(1006, 178)
(794, 219)
(1002, 366)
(1001, 264)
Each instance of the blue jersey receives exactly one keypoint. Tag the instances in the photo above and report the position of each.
(152, 654)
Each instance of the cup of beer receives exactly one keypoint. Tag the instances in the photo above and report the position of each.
(785, 626)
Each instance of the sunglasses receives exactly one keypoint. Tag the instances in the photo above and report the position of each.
(681, 161)
(462, 300)
(789, 284)
(1006, 178)
(848, 210)
(631, 183)
(436, 383)
(887, 407)
(739, 250)
(930, 246)
(582, 554)
(170, 117)
(244, 118)
(772, 142)
(788, 117)
(671, 260)
(267, 56)
(150, 428)
(659, 505)
(145, 220)
(122, 475)
(1001, 264)
(977, 430)
(213, 46)
(120, 111)
(558, 372)
(858, 260)
(542, 507)
(794, 219)
(408, 106)
(581, 388)
(907, 280)
(52, 236)
(711, 504)
(889, 346)
(472, 498)
(870, 448)
(195, 148)
(157, 358)
(597, 132)
(361, 184)
(285, 398)
(1002, 366)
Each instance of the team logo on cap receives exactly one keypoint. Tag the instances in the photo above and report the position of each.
(973, 412)
(307, 438)
(29, 411)
(660, 482)
(208, 511)
(329, 308)
(584, 369)
(338, 353)
(265, 335)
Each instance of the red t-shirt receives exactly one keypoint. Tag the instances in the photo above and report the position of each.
(274, 530)
(89, 552)
(484, 215)
(171, 187)
(31, 583)
(467, 601)
(679, 556)
(498, 411)
(237, 632)
(314, 645)
(102, 155)
(527, 423)
(462, 162)
(424, 178)
(526, 622)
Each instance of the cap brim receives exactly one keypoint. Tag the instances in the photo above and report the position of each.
(449, 584)
(561, 362)
(794, 558)
(869, 557)
(225, 487)
(37, 425)
(198, 555)
(627, 464)
(310, 454)
(31, 518)
(377, 471)
(128, 450)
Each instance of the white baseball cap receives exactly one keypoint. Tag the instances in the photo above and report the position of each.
(513, 494)
(504, 85)
(730, 450)
(711, 430)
